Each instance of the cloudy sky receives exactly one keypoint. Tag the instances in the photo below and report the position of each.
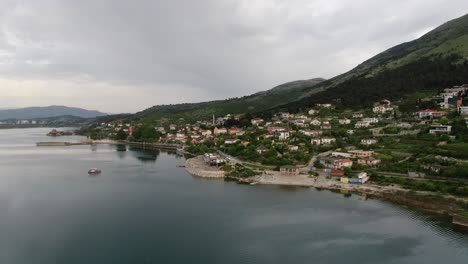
(124, 56)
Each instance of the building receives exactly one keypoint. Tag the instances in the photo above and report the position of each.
(369, 141)
(436, 129)
(463, 110)
(219, 131)
(358, 115)
(206, 132)
(262, 149)
(371, 162)
(343, 163)
(362, 153)
(371, 120)
(289, 170)
(344, 121)
(282, 135)
(231, 141)
(326, 126)
(337, 173)
(342, 154)
(323, 141)
(235, 131)
(293, 148)
(312, 112)
(311, 133)
(257, 121)
(315, 122)
(428, 113)
(361, 124)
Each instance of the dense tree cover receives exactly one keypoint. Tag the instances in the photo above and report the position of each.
(121, 135)
(425, 74)
(145, 133)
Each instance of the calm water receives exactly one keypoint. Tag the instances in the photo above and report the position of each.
(144, 209)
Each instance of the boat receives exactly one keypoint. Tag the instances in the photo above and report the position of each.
(94, 171)
(181, 166)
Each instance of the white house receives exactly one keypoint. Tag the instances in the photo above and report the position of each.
(344, 121)
(282, 135)
(323, 141)
(361, 124)
(436, 128)
(315, 122)
(368, 141)
(463, 110)
(371, 120)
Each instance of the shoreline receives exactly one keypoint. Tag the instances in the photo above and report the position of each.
(426, 201)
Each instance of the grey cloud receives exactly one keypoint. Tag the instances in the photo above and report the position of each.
(208, 49)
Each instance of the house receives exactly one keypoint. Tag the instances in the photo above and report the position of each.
(315, 122)
(337, 173)
(273, 129)
(343, 163)
(371, 120)
(463, 110)
(350, 132)
(262, 149)
(361, 124)
(342, 154)
(368, 141)
(257, 121)
(293, 148)
(358, 115)
(219, 131)
(323, 141)
(235, 131)
(172, 127)
(311, 133)
(312, 112)
(344, 121)
(362, 153)
(206, 132)
(326, 126)
(231, 141)
(282, 135)
(289, 170)
(299, 122)
(371, 162)
(428, 113)
(324, 105)
(436, 128)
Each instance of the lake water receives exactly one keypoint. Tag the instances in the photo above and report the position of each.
(144, 209)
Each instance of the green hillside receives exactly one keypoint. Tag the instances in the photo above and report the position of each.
(436, 60)
(257, 102)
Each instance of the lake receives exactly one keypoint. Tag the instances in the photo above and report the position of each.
(145, 209)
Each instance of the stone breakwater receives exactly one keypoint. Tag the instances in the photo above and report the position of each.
(197, 167)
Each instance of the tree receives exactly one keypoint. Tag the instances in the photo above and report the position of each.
(121, 135)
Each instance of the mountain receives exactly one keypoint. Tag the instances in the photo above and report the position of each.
(434, 61)
(48, 111)
(257, 102)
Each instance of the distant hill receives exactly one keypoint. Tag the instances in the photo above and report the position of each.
(48, 111)
(260, 101)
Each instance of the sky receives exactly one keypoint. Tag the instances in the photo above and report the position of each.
(124, 56)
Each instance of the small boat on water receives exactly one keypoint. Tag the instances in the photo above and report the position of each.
(94, 171)
(181, 166)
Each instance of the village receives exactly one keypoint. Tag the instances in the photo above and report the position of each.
(351, 147)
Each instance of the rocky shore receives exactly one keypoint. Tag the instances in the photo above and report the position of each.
(196, 167)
